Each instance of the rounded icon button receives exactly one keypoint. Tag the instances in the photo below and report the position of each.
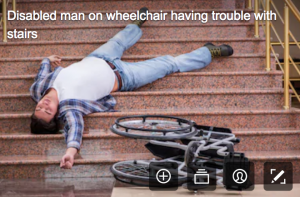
(239, 176)
(163, 176)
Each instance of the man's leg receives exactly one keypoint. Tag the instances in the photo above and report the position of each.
(115, 47)
(138, 74)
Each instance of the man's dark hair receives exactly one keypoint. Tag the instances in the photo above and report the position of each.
(39, 126)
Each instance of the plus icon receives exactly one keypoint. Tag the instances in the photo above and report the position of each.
(163, 176)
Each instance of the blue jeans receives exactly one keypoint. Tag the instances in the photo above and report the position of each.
(137, 74)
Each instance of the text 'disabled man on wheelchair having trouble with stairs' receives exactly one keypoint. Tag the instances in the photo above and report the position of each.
(67, 94)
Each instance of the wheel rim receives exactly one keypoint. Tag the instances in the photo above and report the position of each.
(163, 124)
(154, 127)
(132, 169)
(190, 152)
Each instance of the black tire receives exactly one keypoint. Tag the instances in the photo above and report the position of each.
(185, 124)
(189, 153)
(159, 128)
(139, 179)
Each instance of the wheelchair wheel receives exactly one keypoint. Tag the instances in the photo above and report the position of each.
(189, 155)
(132, 181)
(136, 172)
(154, 127)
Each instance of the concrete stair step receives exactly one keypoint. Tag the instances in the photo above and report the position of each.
(18, 167)
(97, 142)
(100, 142)
(236, 63)
(255, 80)
(92, 166)
(232, 118)
(172, 99)
(69, 5)
(168, 19)
(85, 32)
(267, 139)
(143, 47)
(101, 187)
(104, 142)
(260, 157)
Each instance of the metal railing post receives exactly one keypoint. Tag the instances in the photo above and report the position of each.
(256, 9)
(4, 22)
(249, 4)
(286, 58)
(268, 39)
(14, 5)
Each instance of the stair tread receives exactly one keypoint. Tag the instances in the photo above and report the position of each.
(235, 73)
(41, 159)
(124, 57)
(174, 112)
(38, 187)
(140, 41)
(153, 10)
(101, 133)
(265, 131)
(112, 158)
(130, 5)
(166, 92)
(106, 133)
(53, 27)
(263, 155)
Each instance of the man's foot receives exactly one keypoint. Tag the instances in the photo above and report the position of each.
(140, 21)
(218, 51)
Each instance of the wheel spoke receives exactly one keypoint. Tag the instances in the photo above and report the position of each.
(134, 169)
(154, 127)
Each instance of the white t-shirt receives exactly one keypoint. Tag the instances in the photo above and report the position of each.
(90, 79)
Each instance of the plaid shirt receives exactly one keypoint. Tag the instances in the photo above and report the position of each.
(71, 111)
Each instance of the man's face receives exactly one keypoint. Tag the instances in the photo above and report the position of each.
(46, 109)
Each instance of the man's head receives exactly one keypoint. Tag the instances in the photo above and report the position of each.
(44, 118)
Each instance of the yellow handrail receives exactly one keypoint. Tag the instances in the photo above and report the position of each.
(4, 16)
(14, 5)
(256, 10)
(286, 58)
(249, 4)
(291, 43)
(295, 63)
(268, 39)
(289, 5)
(293, 8)
(4, 21)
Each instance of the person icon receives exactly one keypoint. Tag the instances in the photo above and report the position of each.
(239, 176)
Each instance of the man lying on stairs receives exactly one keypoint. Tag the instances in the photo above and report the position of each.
(68, 94)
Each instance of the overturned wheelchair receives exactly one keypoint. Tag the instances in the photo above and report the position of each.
(177, 140)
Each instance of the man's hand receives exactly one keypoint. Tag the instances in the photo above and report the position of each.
(55, 60)
(67, 160)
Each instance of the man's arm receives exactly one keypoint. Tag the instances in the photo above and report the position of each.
(73, 129)
(45, 67)
(44, 70)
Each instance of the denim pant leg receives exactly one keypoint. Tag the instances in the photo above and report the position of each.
(196, 59)
(115, 47)
(135, 75)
